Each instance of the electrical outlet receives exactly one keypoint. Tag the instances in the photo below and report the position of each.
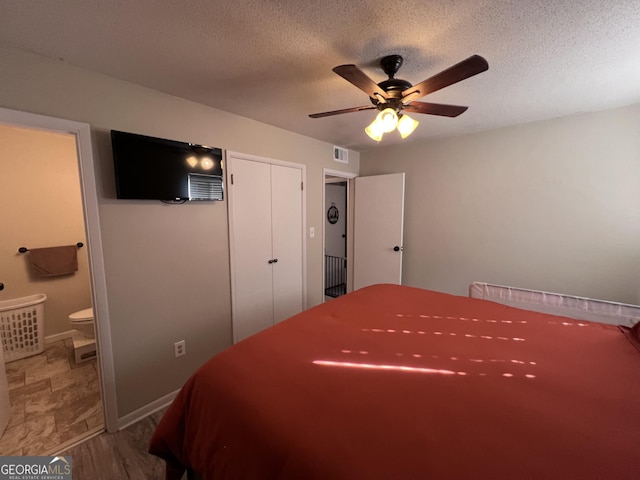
(180, 348)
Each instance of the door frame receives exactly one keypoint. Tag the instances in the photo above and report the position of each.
(228, 159)
(97, 278)
(349, 178)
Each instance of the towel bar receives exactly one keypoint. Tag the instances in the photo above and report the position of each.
(25, 249)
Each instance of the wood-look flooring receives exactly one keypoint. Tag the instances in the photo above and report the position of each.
(56, 402)
(120, 455)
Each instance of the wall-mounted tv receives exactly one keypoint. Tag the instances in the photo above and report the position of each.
(149, 168)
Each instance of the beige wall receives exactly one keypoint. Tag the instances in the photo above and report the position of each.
(41, 207)
(167, 266)
(552, 205)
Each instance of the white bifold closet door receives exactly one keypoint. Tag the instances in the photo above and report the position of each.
(286, 233)
(266, 222)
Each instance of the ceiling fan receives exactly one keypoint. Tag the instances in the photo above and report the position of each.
(393, 97)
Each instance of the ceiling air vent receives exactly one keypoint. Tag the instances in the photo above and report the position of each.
(340, 154)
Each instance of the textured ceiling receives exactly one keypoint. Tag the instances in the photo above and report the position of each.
(271, 60)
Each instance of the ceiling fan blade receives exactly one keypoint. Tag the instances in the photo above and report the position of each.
(357, 77)
(460, 71)
(435, 109)
(338, 112)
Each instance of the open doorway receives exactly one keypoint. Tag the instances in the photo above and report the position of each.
(337, 238)
(81, 171)
(54, 388)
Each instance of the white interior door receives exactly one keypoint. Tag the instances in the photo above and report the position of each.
(378, 226)
(251, 224)
(286, 215)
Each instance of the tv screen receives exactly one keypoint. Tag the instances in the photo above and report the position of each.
(149, 168)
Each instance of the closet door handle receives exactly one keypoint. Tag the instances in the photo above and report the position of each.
(273, 260)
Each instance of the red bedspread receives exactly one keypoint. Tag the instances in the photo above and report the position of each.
(394, 382)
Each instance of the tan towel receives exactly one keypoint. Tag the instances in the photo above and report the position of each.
(53, 261)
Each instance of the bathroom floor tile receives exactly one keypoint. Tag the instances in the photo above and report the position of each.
(96, 420)
(56, 351)
(79, 410)
(17, 415)
(24, 364)
(15, 379)
(51, 369)
(47, 402)
(23, 394)
(23, 435)
(54, 401)
(43, 445)
(15, 453)
(78, 377)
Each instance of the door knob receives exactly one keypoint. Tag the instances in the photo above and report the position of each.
(397, 248)
(1, 286)
(273, 260)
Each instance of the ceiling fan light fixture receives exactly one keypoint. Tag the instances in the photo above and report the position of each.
(374, 130)
(387, 119)
(391, 96)
(406, 125)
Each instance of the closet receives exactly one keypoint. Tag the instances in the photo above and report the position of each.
(266, 241)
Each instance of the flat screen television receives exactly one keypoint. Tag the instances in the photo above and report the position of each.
(149, 168)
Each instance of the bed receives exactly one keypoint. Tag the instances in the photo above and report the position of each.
(394, 382)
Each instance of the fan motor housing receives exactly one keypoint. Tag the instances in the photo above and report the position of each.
(393, 86)
(391, 64)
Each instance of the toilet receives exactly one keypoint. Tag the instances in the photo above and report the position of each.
(84, 345)
(83, 322)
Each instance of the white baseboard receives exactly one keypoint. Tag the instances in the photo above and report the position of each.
(147, 410)
(59, 336)
(136, 415)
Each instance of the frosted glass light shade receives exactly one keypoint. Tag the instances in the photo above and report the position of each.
(388, 119)
(374, 130)
(406, 125)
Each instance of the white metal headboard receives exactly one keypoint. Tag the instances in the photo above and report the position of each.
(558, 304)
